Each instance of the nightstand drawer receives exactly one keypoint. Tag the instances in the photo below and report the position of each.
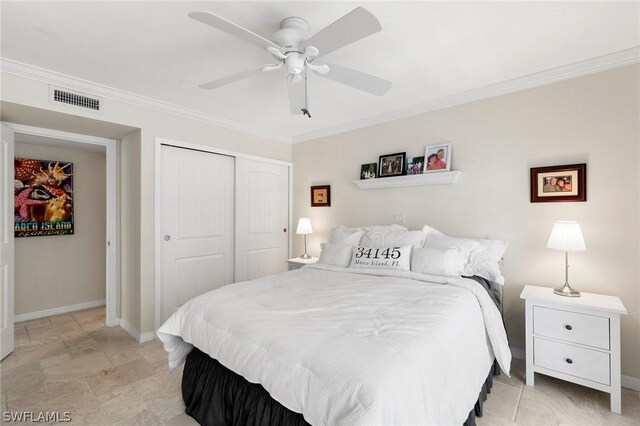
(572, 327)
(579, 362)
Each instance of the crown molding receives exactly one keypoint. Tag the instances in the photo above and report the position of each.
(578, 69)
(33, 72)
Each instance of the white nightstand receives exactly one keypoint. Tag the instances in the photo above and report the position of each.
(575, 339)
(298, 262)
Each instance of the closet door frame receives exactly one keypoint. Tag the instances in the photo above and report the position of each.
(159, 141)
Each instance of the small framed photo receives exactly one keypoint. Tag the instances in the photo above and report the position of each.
(415, 165)
(559, 183)
(321, 196)
(437, 158)
(392, 164)
(369, 171)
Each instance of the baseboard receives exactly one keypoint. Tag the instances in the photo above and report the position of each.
(518, 353)
(626, 381)
(145, 337)
(130, 329)
(60, 310)
(140, 337)
(630, 383)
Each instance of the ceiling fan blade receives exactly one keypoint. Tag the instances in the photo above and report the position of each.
(228, 27)
(358, 79)
(320, 69)
(230, 79)
(276, 52)
(355, 25)
(272, 67)
(296, 95)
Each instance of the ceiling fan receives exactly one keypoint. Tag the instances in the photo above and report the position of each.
(298, 52)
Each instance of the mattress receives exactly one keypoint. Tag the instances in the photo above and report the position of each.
(351, 347)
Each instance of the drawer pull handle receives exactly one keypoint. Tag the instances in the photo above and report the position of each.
(569, 361)
(568, 327)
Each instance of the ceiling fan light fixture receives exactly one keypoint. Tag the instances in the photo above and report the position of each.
(295, 50)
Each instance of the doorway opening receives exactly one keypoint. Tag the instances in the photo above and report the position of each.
(69, 180)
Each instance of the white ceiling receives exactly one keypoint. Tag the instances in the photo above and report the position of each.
(429, 50)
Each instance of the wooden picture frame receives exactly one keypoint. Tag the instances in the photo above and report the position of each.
(553, 184)
(392, 165)
(321, 196)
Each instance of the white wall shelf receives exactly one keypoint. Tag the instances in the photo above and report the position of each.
(438, 178)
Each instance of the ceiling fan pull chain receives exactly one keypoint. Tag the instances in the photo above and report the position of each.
(305, 110)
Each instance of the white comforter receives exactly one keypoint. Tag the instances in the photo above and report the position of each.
(349, 347)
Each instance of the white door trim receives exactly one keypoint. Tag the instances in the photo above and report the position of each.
(112, 147)
(157, 193)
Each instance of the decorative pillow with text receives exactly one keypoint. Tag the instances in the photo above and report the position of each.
(395, 258)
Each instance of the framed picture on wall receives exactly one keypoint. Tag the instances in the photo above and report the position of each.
(437, 158)
(559, 183)
(321, 196)
(43, 198)
(392, 164)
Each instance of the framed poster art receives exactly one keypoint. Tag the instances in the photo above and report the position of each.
(321, 196)
(392, 164)
(43, 198)
(559, 183)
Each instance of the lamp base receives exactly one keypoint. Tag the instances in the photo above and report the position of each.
(567, 291)
(305, 256)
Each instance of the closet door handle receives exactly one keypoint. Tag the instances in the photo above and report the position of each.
(568, 327)
(167, 237)
(284, 229)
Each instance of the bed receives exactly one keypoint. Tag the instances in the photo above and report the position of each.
(329, 345)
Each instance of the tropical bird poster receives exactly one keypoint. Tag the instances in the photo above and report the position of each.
(43, 198)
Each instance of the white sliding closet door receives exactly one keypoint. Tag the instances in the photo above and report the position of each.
(197, 221)
(262, 218)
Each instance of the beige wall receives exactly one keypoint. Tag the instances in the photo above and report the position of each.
(130, 228)
(593, 119)
(137, 274)
(56, 271)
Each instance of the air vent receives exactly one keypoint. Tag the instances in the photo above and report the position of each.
(75, 99)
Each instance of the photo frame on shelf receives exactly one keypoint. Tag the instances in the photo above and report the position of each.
(437, 158)
(369, 171)
(392, 164)
(415, 165)
(554, 184)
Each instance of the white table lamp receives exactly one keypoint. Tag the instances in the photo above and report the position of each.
(304, 228)
(566, 236)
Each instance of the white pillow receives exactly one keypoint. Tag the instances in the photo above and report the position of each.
(381, 237)
(335, 254)
(427, 230)
(485, 260)
(346, 236)
(479, 256)
(395, 258)
(430, 261)
(442, 242)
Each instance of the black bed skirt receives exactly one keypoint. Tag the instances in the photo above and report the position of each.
(216, 396)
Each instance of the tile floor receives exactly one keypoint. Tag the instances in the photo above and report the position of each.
(72, 362)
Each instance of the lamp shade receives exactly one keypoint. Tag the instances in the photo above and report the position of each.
(304, 226)
(566, 236)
